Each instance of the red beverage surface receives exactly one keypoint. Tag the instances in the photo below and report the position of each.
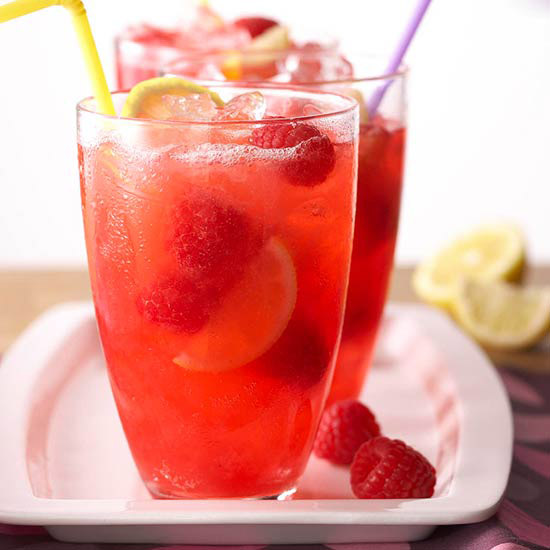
(179, 241)
(381, 155)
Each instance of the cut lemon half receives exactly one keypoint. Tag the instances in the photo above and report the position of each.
(257, 53)
(251, 318)
(489, 253)
(501, 315)
(145, 98)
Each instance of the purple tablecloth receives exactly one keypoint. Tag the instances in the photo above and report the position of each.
(523, 520)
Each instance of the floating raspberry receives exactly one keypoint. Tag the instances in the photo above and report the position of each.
(313, 158)
(212, 242)
(255, 25)
(176, 303)
(344, 426)
(277, 136)
(388, 468)
(300, 356)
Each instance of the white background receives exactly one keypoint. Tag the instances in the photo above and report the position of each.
(479, 144)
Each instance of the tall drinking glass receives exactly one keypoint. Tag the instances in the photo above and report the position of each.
(381, 158)
(142, 50)
(219, 267)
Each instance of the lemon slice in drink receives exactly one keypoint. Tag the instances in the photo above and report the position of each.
(250, 319)
(489, 253)
(145, 98)
(257, 53)
(502, 316)
(274, 38)
(354, 93)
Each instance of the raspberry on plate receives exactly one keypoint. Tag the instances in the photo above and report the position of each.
(313, 158)
(344, 426)
(388, 468)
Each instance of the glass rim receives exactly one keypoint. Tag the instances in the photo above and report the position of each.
(379, 76)
(83, 107)
(330, 42)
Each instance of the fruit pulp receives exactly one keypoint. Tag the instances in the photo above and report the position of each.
(187, 240)
(379, 183)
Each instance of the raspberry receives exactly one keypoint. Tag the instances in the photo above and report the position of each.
(313, 158)
(300, 356)
(255, 25)
(176, 303)
(388, 468)
(344, 426)
(277, 136)
(212, 242)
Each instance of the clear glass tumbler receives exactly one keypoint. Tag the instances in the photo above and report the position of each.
(219, 267)
(381, 158)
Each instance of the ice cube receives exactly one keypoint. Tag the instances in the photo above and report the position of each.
(311, 110)
(313, 67)
(249, 106)
(199, 107)
(195, 70)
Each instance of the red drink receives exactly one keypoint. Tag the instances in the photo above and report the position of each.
(379, 182)
(219, 264)
(142, 50)
(381, 156)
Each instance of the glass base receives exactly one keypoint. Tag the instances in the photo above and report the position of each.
(285, 495)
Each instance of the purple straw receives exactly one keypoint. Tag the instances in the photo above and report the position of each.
(398, 55)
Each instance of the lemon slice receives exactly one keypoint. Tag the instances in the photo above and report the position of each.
(489, 253)
(251, 318)
(502, 316)
(354, 93)
(274, 39)
(145, 98)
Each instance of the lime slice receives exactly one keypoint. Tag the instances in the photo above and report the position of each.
(489, 253)
(145, 99)
(251, 318)
(502, 316)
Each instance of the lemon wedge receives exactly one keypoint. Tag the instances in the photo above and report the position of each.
(502, 316)
(145, 98)
(251, 318)
(354, 93)
(272, 40)
(489, 253)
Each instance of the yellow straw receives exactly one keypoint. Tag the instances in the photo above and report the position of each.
(85, 39)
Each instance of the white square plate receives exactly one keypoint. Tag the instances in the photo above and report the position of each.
(64, 462)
